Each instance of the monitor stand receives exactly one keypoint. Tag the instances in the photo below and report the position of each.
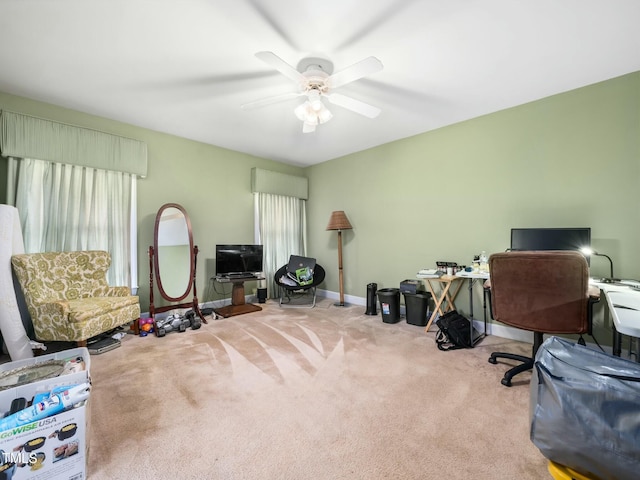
(238, 305)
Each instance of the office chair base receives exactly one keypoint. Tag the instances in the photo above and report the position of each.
(527, 364)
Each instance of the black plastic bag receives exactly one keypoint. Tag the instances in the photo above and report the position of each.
(585, 410)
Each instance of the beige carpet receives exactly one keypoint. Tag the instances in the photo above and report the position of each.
(322, 393)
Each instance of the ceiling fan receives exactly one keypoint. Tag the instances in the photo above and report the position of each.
(315, 80)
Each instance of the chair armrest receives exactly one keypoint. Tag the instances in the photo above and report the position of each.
(594, 297)
(52, 308)
(117, 292)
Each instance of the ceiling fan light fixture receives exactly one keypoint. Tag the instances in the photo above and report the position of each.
(314, 100)
(301, 111)
(306, 113)
(324, 115)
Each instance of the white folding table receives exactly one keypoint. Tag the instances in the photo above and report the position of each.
(623, 301)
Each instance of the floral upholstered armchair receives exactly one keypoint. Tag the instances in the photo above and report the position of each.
(68, 296)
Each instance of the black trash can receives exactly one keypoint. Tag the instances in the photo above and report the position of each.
(389, 304)
(417, 306)
(371, 299)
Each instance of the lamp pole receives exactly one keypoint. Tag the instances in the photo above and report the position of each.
(339, 222)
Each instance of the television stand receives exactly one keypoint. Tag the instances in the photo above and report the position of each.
(238, 304)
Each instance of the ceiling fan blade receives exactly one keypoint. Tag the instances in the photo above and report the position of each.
(354, 72)
(282, 66)
(354, 105)
(270, 100)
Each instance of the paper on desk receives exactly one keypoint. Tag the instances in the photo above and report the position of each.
(625, 299)
(634, 284)
(429, 273)
(463, 274)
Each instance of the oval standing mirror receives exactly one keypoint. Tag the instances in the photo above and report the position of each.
(172, 260)
(173, 244)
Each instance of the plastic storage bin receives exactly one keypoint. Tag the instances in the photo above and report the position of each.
(389, 299)
(417, 305)
(63, 437)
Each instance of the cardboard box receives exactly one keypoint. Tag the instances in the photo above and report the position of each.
(52, 448)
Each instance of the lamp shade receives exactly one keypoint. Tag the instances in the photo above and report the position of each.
(339, 221)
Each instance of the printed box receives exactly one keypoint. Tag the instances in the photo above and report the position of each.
(50, 448)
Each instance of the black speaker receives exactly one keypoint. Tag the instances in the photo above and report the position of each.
(262, 295)
(371, 299)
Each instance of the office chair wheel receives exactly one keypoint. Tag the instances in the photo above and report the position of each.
(506, 382)
(493, 360)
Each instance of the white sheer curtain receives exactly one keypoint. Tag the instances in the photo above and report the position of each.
(69, 207)
(281, 223)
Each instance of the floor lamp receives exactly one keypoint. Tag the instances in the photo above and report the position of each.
(339, 222)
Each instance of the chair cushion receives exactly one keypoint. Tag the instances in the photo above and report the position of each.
(85, 308)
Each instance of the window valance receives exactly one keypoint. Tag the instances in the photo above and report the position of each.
(276, 183)
(25, 136)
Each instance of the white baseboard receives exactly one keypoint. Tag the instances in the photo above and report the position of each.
(350, 299)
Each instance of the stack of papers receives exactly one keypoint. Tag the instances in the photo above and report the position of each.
(429, 273)
(285, 280)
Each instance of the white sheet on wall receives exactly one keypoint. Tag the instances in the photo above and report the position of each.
(11, 243)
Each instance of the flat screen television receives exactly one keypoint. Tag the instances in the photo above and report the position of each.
(238, 259)
(550, 238)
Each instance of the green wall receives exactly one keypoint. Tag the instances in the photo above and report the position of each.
(570, 160)
(213, 184)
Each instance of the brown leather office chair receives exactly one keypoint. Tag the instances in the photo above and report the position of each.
(543, 292)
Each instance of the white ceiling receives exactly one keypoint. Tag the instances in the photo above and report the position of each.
(186, 67)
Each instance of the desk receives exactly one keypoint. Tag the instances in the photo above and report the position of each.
(238, 305)
(473, 277)
(445, 301)
(623, 302)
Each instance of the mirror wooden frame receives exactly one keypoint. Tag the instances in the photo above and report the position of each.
(155, 273)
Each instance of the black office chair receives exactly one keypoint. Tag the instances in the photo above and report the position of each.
(293, 295)
(543, 292)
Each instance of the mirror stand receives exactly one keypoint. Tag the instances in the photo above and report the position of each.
(172, 262)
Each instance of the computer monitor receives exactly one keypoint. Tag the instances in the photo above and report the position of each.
(236, 258)
(550, 238)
